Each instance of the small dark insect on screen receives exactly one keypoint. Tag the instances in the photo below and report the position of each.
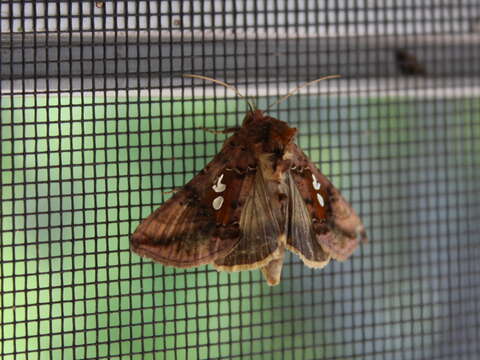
(98, 125)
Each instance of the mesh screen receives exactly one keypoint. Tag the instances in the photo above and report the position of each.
(97, 125)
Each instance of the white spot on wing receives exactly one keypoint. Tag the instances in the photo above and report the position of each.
(315, 183)
(218, 186)
(217, 202)
(320, 200)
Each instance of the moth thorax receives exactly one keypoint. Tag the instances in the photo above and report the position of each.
(272, 167)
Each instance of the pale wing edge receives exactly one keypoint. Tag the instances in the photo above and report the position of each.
(153, 255)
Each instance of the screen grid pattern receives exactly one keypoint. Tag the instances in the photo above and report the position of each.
(98, 127)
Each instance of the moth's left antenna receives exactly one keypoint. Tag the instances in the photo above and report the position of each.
(228, 86)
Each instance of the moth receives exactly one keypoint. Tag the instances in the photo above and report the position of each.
(259, 196)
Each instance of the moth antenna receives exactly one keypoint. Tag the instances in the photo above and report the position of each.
(228, 86)
(293, 91)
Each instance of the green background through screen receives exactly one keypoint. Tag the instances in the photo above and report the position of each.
(79, 173)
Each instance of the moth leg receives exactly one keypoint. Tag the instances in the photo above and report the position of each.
(224, 131)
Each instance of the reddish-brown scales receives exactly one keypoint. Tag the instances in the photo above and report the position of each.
(265, 134)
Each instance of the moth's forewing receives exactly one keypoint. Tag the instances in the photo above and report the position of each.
(347, 229)
(200, 222)
(181, 233)
(337, 227)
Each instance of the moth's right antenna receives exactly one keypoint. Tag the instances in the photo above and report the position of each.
(293, 91)
(228, 86)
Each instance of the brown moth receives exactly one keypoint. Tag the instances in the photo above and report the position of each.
(259, 196)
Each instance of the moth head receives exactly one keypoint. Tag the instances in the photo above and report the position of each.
(253, 117)
(269, 135)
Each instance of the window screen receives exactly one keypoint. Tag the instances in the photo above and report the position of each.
(98, 126)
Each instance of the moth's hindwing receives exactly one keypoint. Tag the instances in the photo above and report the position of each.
(261, 225)
(337, 228)
(200, 222)
(301, 235)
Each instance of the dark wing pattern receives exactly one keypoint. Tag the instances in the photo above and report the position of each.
(201, 221)
(336, 227)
